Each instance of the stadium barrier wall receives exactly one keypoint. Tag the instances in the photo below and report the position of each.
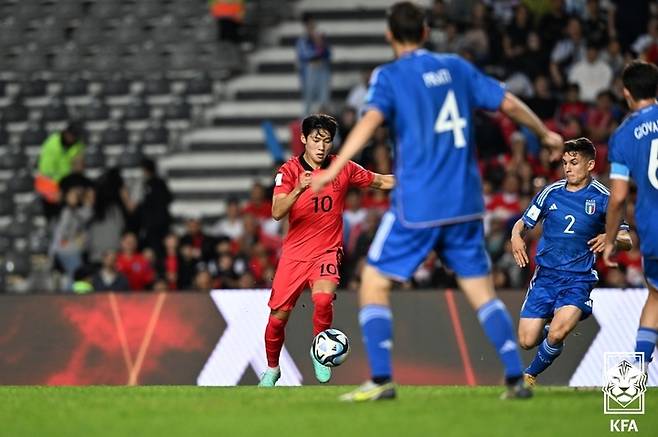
(217, 339)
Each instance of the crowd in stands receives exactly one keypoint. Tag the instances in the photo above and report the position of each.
(562, 57)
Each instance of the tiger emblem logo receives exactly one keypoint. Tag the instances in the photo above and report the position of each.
(625, 383)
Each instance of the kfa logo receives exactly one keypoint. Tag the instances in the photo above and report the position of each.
(625, 383)
(590, 206)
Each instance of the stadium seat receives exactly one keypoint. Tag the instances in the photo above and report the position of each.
(39, 242)
(146, 10)
(178, 110)
(136, 111)
(166, 30)
(96, 110)
(11, 32)
(34, 88)
(157, 85)
(105, 10)
(4, 137)
(68, 58)
(31, 59)
(91, 30)
(20, 226)
(13, 160)
(5, 244)
(65, 11)
(155, 135)
(21, 182)
(14, 112)
(114, 135)
(116, 86)
(204, 30)
(6, 205)
(128, 31)
(74, 86)
(56, 111)
(94, 158)
(34, 135)
(199, 85)
(131, 158)
(50, 32)
(17, 263)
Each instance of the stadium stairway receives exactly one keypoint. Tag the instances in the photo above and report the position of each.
(226, 158)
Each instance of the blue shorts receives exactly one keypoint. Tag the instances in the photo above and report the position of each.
(397, 251)
(650, 266)
(551, 289)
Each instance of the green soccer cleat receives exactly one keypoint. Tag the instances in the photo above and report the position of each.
(370, 391)
(269, 378)
(322, 372)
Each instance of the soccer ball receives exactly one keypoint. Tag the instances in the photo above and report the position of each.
(330, 347)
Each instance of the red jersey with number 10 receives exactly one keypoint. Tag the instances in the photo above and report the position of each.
(316, 219)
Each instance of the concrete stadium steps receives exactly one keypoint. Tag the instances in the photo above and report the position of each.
(224, 160)
(231, 139)
(344, 58)
(343, 32)
(284, 86)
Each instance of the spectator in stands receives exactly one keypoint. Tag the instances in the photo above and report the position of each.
(600, 119)
(202, 245)
(595, 23)
(203, 281)
(614, 57)
(543, 102)
(107, 278)
(567, 51)
(353, 218)
(258, 205)
(70, 237)
(82, 283)
(348, 118)
(231, 225)
(314, 61)
(506, 204)
(356, 98)
(592, 74)
(59, 154)
(153, 211)
(111, 208)
(229, 15)
(188, 266)
(133, 264)
(170, 264)
(552, 23)
(647, 45)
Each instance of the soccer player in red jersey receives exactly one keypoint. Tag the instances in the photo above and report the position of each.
(312, 249)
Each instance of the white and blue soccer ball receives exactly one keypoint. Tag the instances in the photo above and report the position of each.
(330, 347)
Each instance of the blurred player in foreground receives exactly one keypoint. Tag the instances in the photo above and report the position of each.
(572, 213)
(634, 154)
(312, 249)
(428, 100)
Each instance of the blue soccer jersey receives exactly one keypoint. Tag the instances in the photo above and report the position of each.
(570, 219)
(634, 154)
(428, 99)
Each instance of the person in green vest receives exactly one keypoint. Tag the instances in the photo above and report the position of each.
(61, 153)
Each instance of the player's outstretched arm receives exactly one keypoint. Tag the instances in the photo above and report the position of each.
(518, 111)
(355, 141)
(383, 181)
(281, 203)
(518, 244)
(618, 193)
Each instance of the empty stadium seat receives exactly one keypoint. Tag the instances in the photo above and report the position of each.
(21, 182)
(6, 205)
(14, 112)
(157, 85)
(116, 86)
(96, 110)
(94, 157)
(131, 157)
(55, 111)
(74, 86)
(155, 135)
(34, 135)
(114, 135)
(17, 263)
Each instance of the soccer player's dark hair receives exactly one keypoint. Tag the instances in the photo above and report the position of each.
(319, 122)
(640, 78)
(406, 21)
(581, 145)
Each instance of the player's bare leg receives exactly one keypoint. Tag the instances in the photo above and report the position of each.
(564, 321)
(274, 336)
(376, 321)
(648, 331)
(532, 332)
(497, 325)
(322, 294)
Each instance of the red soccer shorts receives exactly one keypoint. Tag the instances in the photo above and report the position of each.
(292, 277)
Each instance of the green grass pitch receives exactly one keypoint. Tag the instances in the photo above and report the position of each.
(304, 411)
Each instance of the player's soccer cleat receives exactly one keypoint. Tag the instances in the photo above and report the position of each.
(370, 391)
(529, 380)
(322, 372)
(269, 378)
(518, 390)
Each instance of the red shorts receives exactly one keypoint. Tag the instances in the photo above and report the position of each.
(292, 277)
